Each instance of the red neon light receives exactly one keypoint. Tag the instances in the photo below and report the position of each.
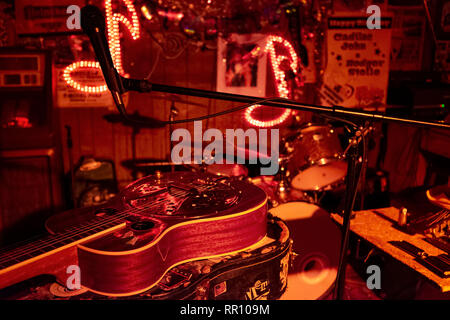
(282, 86)
(112, 24)
(83, 88)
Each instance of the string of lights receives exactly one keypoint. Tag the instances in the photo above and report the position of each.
(113, 20)
(280, 79)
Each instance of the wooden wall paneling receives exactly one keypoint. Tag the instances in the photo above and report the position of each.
(86, 132)
(122, 142)
(70, 117)
(102, 134)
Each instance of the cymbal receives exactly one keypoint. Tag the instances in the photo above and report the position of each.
(249, 153)
(145, 162)
(142, 121)
(177, 99)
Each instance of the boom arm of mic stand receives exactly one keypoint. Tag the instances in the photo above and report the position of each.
(337, 111)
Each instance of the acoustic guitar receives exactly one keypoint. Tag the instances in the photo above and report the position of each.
(126, 246)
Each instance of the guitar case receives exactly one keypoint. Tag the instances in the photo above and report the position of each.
(257, 273)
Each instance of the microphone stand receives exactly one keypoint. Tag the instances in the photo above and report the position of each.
(351, 186)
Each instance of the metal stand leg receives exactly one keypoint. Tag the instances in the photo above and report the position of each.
(350, 195)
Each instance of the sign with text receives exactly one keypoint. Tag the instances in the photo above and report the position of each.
(357, 70)
(67, 96)
(44, 16)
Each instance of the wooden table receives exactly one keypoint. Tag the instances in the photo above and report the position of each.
(377, 227)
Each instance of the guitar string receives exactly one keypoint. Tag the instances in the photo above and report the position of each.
(78, 230)
(93, 224)
(90, 226)
(54, 240)
(81, 227)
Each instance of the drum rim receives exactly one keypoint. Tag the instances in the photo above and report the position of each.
(330, 185)
(315, 124)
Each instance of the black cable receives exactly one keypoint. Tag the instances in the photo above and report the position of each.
(217, 114)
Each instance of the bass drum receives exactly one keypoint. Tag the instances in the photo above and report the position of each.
(316, 241)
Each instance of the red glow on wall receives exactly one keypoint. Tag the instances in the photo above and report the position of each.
(276, 60)
(113, 21)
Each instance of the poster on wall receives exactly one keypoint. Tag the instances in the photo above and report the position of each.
(242, 64)
(357, 70)
(408, 31)
(442, 52)
(442, 21)
(67, 97)
(43, 16)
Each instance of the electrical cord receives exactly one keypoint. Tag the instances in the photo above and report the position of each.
(217, 114)
(155, 63)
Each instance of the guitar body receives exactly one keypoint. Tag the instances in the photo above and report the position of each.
(154, 224)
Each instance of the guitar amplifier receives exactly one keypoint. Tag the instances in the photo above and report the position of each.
(27, 117)
(30, 156)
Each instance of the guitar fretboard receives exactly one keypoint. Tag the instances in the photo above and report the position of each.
(32, 249)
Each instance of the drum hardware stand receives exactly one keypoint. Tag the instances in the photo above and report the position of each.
(362, 194)
(352, 181)
(71, 167)
(92, 21)
(172, 114)
(350, 195)
(282, 191)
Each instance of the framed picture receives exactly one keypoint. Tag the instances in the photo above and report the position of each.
(242, 64)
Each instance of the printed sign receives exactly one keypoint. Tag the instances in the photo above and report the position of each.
(357, 70)
(408, 30)
(44, 16)
(67, 96)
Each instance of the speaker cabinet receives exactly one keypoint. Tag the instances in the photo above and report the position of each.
(30, 156)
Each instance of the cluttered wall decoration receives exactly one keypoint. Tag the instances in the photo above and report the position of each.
(113, 20)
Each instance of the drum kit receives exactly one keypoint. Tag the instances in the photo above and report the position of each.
(312, 163)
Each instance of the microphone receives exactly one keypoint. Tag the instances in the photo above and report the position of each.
(93, 24)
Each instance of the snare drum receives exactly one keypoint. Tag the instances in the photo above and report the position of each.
(316, 240)
(316, 162)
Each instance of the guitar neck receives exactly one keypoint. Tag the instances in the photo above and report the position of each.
(50, 254)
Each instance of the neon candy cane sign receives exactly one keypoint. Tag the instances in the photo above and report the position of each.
(112, 24)
(282, 85)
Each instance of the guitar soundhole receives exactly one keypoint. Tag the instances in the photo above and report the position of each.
(142, 225)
